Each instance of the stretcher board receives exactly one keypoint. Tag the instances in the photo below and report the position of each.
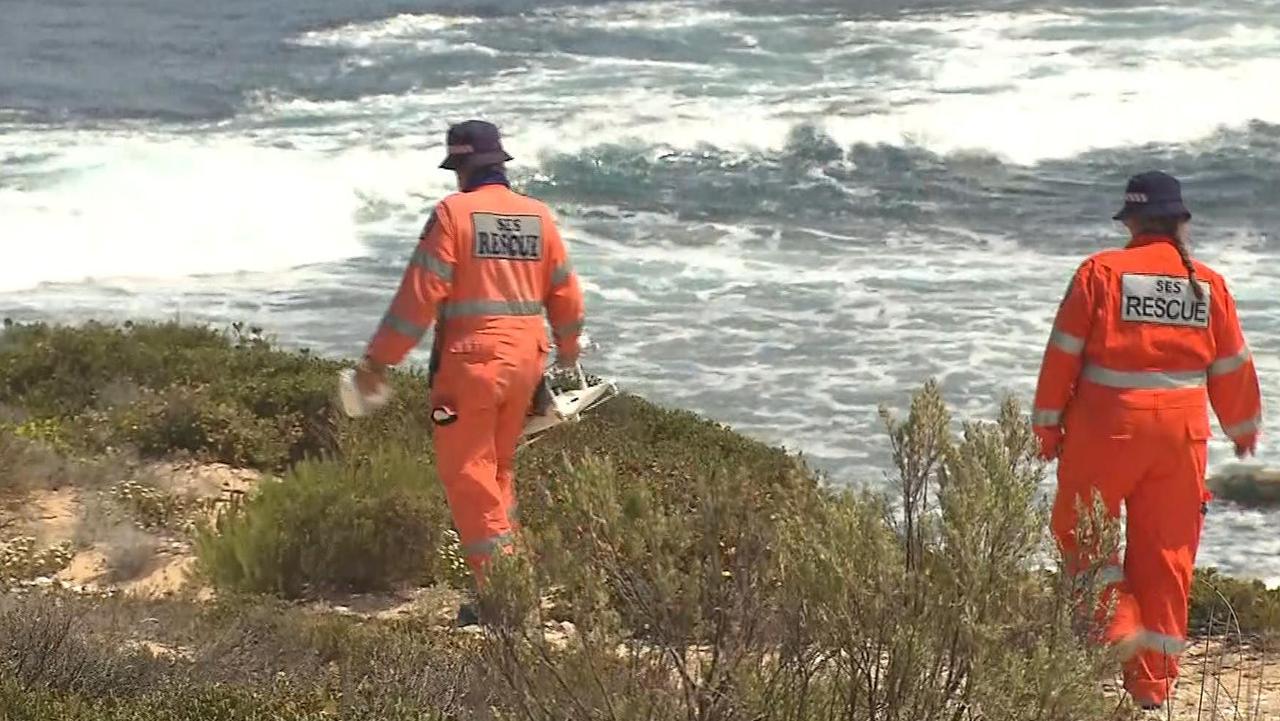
(567, 406)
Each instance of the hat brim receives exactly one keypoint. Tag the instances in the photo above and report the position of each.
(454, 162)
(1172, 209)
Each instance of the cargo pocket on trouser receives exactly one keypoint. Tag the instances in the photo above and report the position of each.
(1090, 468)
(1165, 520)
(1198, 435)
(466, 459)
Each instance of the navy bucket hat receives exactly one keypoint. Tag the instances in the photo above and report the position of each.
(474, 143)
(1153, 195)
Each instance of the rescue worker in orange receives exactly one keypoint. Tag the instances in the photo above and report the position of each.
(1143, 336)
(488, 265)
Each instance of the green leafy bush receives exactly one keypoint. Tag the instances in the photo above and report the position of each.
(1221, 605)
(351, 525)
(662, 450)
(184, 419)
(165, 387)
(725, 596)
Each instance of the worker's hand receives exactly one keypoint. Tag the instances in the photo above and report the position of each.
(1050, 443)
(371, 376)
(1246, 446)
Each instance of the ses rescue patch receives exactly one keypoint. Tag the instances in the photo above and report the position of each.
(506, 237)
(1163, 299)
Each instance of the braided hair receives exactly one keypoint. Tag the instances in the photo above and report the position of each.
(1169, 226)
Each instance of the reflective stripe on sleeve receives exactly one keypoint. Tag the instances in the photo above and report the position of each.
(1043, 417)
(1223, 366)
(561, 274)
(468, 308)
(1066, 342)
(567, 330)
(403, 327)
(1143, 379)
(1245, 428)
(428, 262)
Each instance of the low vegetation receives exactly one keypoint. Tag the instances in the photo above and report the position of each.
(356, 524)
(668, 567)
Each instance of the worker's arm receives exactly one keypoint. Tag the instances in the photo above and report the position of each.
(565, 305)
(1233, 380)
(1060, 366)
(427, 281)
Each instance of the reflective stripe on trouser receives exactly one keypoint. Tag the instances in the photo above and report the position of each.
(1152, 462)
(491, 397)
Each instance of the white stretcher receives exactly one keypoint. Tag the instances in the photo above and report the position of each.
(551, 408)
(565, 406)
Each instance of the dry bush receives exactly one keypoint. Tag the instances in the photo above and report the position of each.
(129, 552)
(156, 509)
(47, 647)
(22, 560)
(66, 658)
(28, 463)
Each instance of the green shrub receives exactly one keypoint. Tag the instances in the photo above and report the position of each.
(166, 387)
(743, 591)
(350, 525)
(1226, 606)
(182, 419)
(660, 449)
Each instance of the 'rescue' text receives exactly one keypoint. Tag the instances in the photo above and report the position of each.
(507, 237)
(1163, 299)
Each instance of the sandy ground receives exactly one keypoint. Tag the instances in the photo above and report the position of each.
(162, 561)
(1220, 681)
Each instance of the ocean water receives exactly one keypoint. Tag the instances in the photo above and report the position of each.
(784, 214)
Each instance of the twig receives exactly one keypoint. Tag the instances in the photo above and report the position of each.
(1204, 667)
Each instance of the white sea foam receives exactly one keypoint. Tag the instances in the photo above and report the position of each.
(403, 28)
(999, 83)
(107, 205)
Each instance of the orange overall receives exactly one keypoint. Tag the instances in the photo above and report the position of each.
(489, 264)
(1122, 399)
